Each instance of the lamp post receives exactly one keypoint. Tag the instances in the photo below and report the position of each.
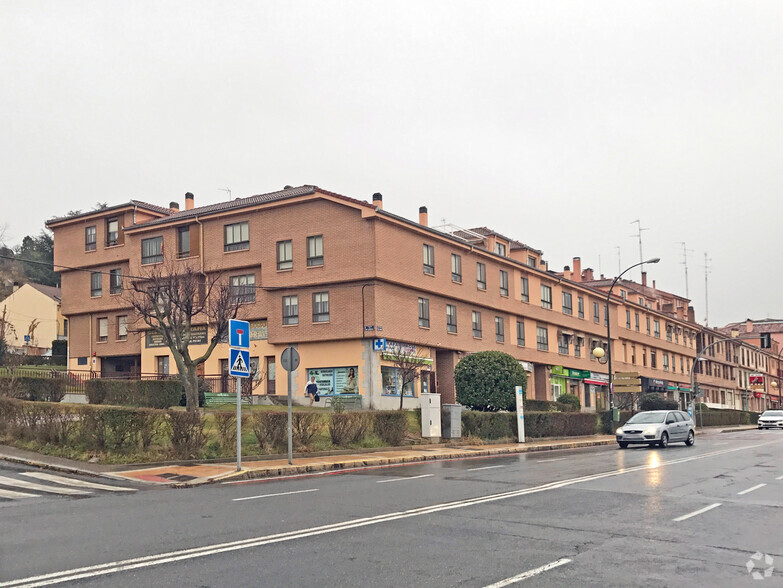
(609, 331)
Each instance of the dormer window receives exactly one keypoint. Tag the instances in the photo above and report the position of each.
(500, 249)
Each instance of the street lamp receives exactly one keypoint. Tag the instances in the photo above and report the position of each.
(609, 332)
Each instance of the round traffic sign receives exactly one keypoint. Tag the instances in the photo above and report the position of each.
(290, 359)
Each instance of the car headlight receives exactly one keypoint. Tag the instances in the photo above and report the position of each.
(619, 431)
(651, 430)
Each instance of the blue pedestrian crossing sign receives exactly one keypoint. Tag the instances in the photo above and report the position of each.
(239, 363)
(239, 334)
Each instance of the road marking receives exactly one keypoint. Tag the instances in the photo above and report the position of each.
(214, 549)
(529, 573)
(276, 494)
(779, 478)
(484, 468)
(553, 459)
(14, 495)
(40, 487)
(756, 487)
(75, 482)
(696, 512)
(405, 478)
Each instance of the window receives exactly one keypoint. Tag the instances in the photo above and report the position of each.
(531, 261)
(236, 236)
(546, 296)
(633, 354)
(682, 366)
(596, 313)
(627, 319)
(648, 324)
(115, 281)
(122, 328)
(112, 232)
(567, 303)
(456, 268)
(103, 330)
(476, 316)
(641, 301)
(666, 362)
(481, 275)
(183, 242)
(587, 397)
(524, 289)
(290, 310)
(321, 307)
(500, 330)
(503, 283)
(636, 317)
(578, 346)
(243, 288)
(391, 379)
(429, 259)
(152, 250)
(424, 312)
(500, 249)
(542, 338)
(562, 343)
(653, 359)
(644, 356)
(95, 284)
(580, 307)
(520, 333)
(285, 255)
(623, 294)
(657, 330)
(315, 250)
(668, 332)
(451, 318)
(90, 238)
(162, 362)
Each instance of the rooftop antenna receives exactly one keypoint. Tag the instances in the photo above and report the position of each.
(707, 270)
(599, 264)
(639, 235)
(226, 190)
(684, 262)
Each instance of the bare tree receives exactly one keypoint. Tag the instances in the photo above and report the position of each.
(170, 299)
(408, 366)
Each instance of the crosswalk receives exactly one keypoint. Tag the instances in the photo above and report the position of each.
(39, 484)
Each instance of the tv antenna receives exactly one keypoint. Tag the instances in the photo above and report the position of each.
(707, 271)
(684, 262)
(226, 190)
(639, 236)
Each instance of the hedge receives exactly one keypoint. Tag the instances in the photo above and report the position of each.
(147, 393)
(501, 425)
(656, 401)
(486, 381)
(722, 417)
(391, 426)
(35, 389)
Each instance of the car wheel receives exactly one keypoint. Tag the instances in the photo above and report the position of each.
(622, 444)
(691, 439)
(664, 442)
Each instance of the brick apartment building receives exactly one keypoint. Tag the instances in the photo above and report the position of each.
(331, 274)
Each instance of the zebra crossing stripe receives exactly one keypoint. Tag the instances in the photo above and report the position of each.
(14, 483)
(14, 495)
(74, 482)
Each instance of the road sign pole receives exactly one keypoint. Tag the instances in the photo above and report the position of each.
(290, 418)
(239, 424)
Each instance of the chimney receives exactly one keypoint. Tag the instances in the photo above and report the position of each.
(174, 207)
(423, 216)
(377, 200)
(653, 284)
(748, 326)
(644, 278)
(16, 286)
(577, 275)
(190, 202)
(567, 272)
(587, 275)
(691, 315)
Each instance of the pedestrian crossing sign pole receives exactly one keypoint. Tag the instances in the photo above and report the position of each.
(239, 367)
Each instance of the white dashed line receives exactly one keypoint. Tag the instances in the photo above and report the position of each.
(697, 512)
(779, 478)
(553, 459)
(484, 468)
(529, 573)
(756, 487)
(403, 479)
(276, 494)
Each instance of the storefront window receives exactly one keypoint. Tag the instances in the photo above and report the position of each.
(341, 380)
(392, 382)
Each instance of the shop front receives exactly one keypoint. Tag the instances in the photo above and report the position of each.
(596, 392)
(567, 380)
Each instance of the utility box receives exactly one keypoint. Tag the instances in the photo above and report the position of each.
(430, 415)
(452, 421)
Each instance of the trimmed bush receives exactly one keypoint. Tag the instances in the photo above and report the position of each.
(656, 401)
(147, 393)
(9, 414)
(722, 417)
(35, 389)
(605, 421)
(559, 424)
(391, 426)
(271, 429)
(304, 427)
(226, 425)
(571, 401)
(347, 427)
(540, 406)
(486, 381)
(187, 433)
(488, 425)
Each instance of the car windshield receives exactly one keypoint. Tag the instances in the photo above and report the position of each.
(646, 417)
(773, 413)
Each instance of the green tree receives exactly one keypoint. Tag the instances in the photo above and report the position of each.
(39, 250)
(486, 381)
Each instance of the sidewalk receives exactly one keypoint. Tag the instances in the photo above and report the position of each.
(194, 474)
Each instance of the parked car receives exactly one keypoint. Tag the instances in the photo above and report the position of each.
(771, 419)
(657, 427)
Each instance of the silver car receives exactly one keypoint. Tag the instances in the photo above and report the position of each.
(771, 419)
(657, 427)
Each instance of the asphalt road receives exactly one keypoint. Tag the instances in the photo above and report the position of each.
(575, 517)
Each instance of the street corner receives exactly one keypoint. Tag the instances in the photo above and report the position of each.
(188, 475)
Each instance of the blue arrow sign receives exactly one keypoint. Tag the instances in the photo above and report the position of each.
(239, 334)
(239, 363)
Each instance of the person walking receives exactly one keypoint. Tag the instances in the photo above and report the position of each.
(311, 390)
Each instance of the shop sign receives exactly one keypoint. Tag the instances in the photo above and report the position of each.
(597, 379)
(756, 381)
(259, 330)
(559, 370)
(398, 348)
(335, 380)
(198, 336)
(526, 365)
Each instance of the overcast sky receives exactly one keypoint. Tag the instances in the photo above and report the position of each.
(556, 123)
